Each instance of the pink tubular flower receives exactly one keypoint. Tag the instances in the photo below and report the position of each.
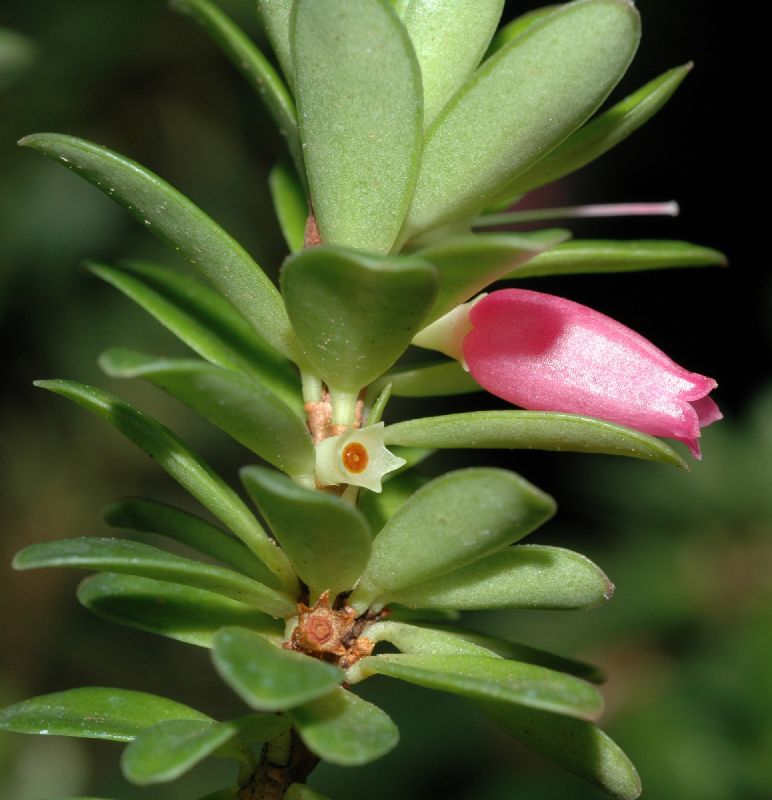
(545, 353)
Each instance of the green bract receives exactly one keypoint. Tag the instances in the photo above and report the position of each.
(405, 121)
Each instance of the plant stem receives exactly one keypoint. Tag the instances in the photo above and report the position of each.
(285, 760)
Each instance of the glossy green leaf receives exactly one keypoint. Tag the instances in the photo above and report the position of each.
(468, 264)
(204, 321)
(267, 677)
(248, 59)
(532, 655)
(573, 744)
(526, 576)
(176, 458)
(180, 612)
(452, 521)
(492, 678)
(358, 89)
(435, 379)
(500, 124)
(252, 414)
(355, 314)
(450, 38)
(601, 134)
(275, 16)
(326, 539)
(94, 713)
(134, 558)
(531, 430)
(424, 641)
(344, 729)
(289, 200)
(423, 616)
(517, 26)
(151, 516)
(299, 791)
(379, 507)
(584, 256)
(17, 54)
(170, 749)
(182, 225)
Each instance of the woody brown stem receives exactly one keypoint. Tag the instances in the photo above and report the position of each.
(285, 760)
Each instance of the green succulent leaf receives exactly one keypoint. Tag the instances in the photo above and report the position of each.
(492, 678)
(601, 134)
(168, 750)
(267, 677)
(248, 59)
(452, 521)
(532, 655)
(450, 38)
(204, 321)
(379, 507)
(413, 639)
(344, 729)
(358, 89)
(525, 576)
(585, 256)
(174, 456)
(468, 264)
(299, 791)
(500, 124)
(326, 539)
(355, 314)
(94, 713)
(151, 516)
(435, 379)
(252, 414)
(573, 744)
(530, 430)
(518, 25)
(289, 200)
(180, 612)
(180, 224)
(134, 558)
(275, 16)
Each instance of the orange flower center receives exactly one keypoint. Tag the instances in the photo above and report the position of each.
(355, 458)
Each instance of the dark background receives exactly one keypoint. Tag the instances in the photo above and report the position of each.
(686, 639)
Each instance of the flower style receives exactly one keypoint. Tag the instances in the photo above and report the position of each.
(546, 353)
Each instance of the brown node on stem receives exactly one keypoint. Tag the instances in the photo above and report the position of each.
(319, 417)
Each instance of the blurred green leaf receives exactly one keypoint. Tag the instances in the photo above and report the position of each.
(526, 576)
(252, 414)
(289, 200)
(134, 558)
(361, 143)
(94, 713)
(450, 38)
(151, 516)
(602, 133)
(344, 729)
(436, 379)
(180, 612)
(180, 224)
(17, 54)
(468, 264)
(326, 539)
(355, 314)
(275, 16)
(174, 456)
(248, 59)
(499, 124)
(299, 791)
(584, 256)
(575, 745)
(530, 430)
(267, 677)
(452, 521)
(518, 25)
(493, 678)
(170, 749)
(205, 321)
